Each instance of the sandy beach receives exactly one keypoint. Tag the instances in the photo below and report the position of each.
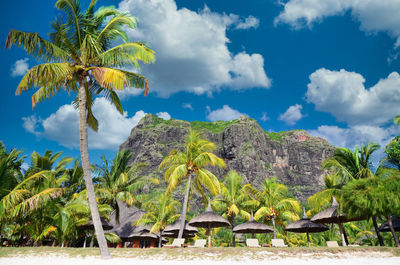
(56, 260)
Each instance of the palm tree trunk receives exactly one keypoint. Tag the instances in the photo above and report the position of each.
(160, 240)
(87, 173)
(273, 224)
(233, 237)
(184, 207)
(396, 240)
(378, 234)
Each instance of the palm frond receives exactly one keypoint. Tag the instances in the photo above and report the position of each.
(35, 45)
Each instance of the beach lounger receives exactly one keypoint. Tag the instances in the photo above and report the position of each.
(332, 244)
(177, 243)
(199, 243)
(278, 243)
(252, 243)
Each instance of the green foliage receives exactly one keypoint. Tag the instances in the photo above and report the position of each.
(214, 127)
(393, 152)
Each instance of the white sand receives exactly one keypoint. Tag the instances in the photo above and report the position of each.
(57, 260)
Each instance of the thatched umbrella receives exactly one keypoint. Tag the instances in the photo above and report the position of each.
(332, 215)
(209, 219)
(252, 227)
(174, 228)
(396, 225)
(304, 225)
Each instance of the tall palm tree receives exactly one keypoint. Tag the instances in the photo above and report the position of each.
(159, 214)
(349, 165)
(80, 58)
(276, 205)
(375, 196)
(121, 181)
(234, 199)
(191, 164)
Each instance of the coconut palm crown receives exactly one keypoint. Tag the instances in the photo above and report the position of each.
(79, 57)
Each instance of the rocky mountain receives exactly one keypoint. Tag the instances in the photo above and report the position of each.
(294, 157)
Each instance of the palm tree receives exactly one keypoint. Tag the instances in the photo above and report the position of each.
(190, 164)
(276, 205)
(120, 181)
(10, 169)
(375, 196)
(348, 165)
(234, 199)
(79, 58)
(159, 214)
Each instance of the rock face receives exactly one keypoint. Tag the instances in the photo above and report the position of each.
(294, 157)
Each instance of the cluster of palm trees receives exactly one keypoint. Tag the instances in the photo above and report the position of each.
(362, 193)
(47, 203)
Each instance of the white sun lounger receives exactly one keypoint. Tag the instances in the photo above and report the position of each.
(332, 244)
(199, 243)
(252, 243)
(278, 243)
(177, 243)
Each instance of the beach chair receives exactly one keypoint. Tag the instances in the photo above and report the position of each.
(278, 243)
(177, 243)
(252, 243)
(332, 244)
(199, 243)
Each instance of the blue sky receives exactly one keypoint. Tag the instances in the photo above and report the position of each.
(328, 67)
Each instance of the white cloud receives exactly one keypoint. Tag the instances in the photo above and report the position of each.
(191, 49)
(224, 114)
(292, 114)
(187, 106)
(264, 117)
(373, 15)
(164, 115)
(30, 124)
(62, 126)
(249, 22)
(19, 67)
(358, 135)
(344, 95)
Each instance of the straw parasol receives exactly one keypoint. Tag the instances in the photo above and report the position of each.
(396, 225)
(209, 219)
(332, 215)
(252, 227)
(174, 228)
(304, 225)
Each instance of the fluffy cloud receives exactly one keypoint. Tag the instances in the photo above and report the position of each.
(191, 49)
(358, 135)
(249, 22)
(19, 67)
(292, 114)
(224, 114)
(62, 126)
(373, 15)
(344, 95)
(164, 115)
